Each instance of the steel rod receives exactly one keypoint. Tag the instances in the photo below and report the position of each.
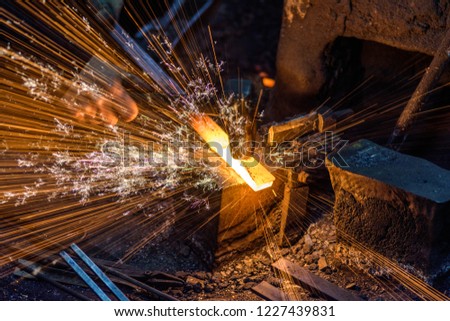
(140, 284)
(114, 289)
(86, 278)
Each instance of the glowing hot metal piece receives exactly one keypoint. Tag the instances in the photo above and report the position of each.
(250, 170)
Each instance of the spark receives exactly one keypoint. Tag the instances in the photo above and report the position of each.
(54, 173)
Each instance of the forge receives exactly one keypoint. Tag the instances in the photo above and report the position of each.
(312, 164)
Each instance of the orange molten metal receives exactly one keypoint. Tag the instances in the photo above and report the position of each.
(250, 170)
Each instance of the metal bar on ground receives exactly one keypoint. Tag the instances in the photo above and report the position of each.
(140, 284)
(86, 278)
(314, 282)
(114, 289)
(269, 293)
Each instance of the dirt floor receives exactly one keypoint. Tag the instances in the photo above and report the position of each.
(317, 251)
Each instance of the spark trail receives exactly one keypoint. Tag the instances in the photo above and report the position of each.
(67, 171)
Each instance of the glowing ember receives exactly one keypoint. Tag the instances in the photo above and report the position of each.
(250, 170)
